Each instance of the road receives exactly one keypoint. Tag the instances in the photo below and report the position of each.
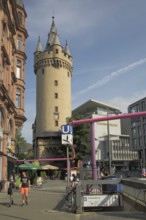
(48, 203)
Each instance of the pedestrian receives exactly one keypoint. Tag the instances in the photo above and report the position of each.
(24, 188)
(11, 189)
(75, 180)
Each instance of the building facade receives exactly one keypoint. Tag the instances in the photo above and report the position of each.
(112, 147)
(53, 70)
(13, 35)
(138, 130)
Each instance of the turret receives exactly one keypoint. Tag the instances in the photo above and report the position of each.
(66, 49)
(39, 46)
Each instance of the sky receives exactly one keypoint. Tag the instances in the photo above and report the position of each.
(107, 41)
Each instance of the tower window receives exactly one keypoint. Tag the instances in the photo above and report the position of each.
(56, 50)
(68, 74)
(56, 108)
(56, 95)
(56, 123)
(43, 71)
(56, 82)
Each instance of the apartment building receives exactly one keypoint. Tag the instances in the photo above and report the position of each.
(112, 147)
(13, 35)
(138, 130)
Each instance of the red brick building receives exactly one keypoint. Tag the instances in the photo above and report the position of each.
(13, 35)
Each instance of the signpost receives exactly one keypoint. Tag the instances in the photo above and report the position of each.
(67, 139)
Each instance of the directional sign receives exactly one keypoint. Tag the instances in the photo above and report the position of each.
(67, 129)
(67, 139)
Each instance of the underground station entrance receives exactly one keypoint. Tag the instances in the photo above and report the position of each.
(113, 194)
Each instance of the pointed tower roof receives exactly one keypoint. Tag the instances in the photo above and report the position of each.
(53, 28)
(39, 46)
(56, 40)
(53, 37)
(66, 49)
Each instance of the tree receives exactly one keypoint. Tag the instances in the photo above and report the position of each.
(23, 149)
(81, 138)
(81, 141)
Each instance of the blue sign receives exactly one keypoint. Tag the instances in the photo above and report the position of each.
(67, 129)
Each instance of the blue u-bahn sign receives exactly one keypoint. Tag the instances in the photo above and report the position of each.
(67, 129)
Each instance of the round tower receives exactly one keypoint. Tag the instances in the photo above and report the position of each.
(53, 69)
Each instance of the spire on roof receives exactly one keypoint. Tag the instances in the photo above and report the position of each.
(53, 37)
(39, 46)
(53, 28)
(66, 49)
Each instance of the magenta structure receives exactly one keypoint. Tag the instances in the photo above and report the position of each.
(91, 121)
(105, 118)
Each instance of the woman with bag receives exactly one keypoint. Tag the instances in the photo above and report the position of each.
(11, 189)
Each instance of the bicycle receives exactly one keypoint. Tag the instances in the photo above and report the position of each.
(71, 198)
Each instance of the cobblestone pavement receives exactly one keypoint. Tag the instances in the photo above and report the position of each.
(48, 203)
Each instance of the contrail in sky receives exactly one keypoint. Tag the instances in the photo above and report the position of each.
(112, 75)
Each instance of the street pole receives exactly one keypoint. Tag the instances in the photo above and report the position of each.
(109, 147)
(68, 165)
(94, 167)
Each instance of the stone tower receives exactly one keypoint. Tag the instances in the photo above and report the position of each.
(53, 69)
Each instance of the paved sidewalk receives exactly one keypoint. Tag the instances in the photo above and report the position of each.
(44, 202)
(47, 203)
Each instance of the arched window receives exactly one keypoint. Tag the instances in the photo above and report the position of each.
(20, 17)
(4, 28)
(19, 68)
(1, 129)
(9, 133)
(18, 96)
(19, 43)
(1, 119)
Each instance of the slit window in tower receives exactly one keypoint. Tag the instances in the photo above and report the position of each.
(56, 82)
(56, 50)
(56, 95)
(56, 123)
(56, 108)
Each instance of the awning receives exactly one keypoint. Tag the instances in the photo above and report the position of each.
(49, 167)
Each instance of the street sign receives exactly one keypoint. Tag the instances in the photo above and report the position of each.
(67, 129)
(67, 139)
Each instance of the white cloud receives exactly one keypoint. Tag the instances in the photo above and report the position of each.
(111, 76)
(123, 102)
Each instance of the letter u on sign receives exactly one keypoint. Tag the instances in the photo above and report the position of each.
(66, 129)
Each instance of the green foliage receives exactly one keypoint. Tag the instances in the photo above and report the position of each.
(23, 149)
(81, 138)
(43, 174)
(81, 141)
(36, 163)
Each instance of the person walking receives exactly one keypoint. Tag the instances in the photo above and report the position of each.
(11, 189)
(24, 188)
